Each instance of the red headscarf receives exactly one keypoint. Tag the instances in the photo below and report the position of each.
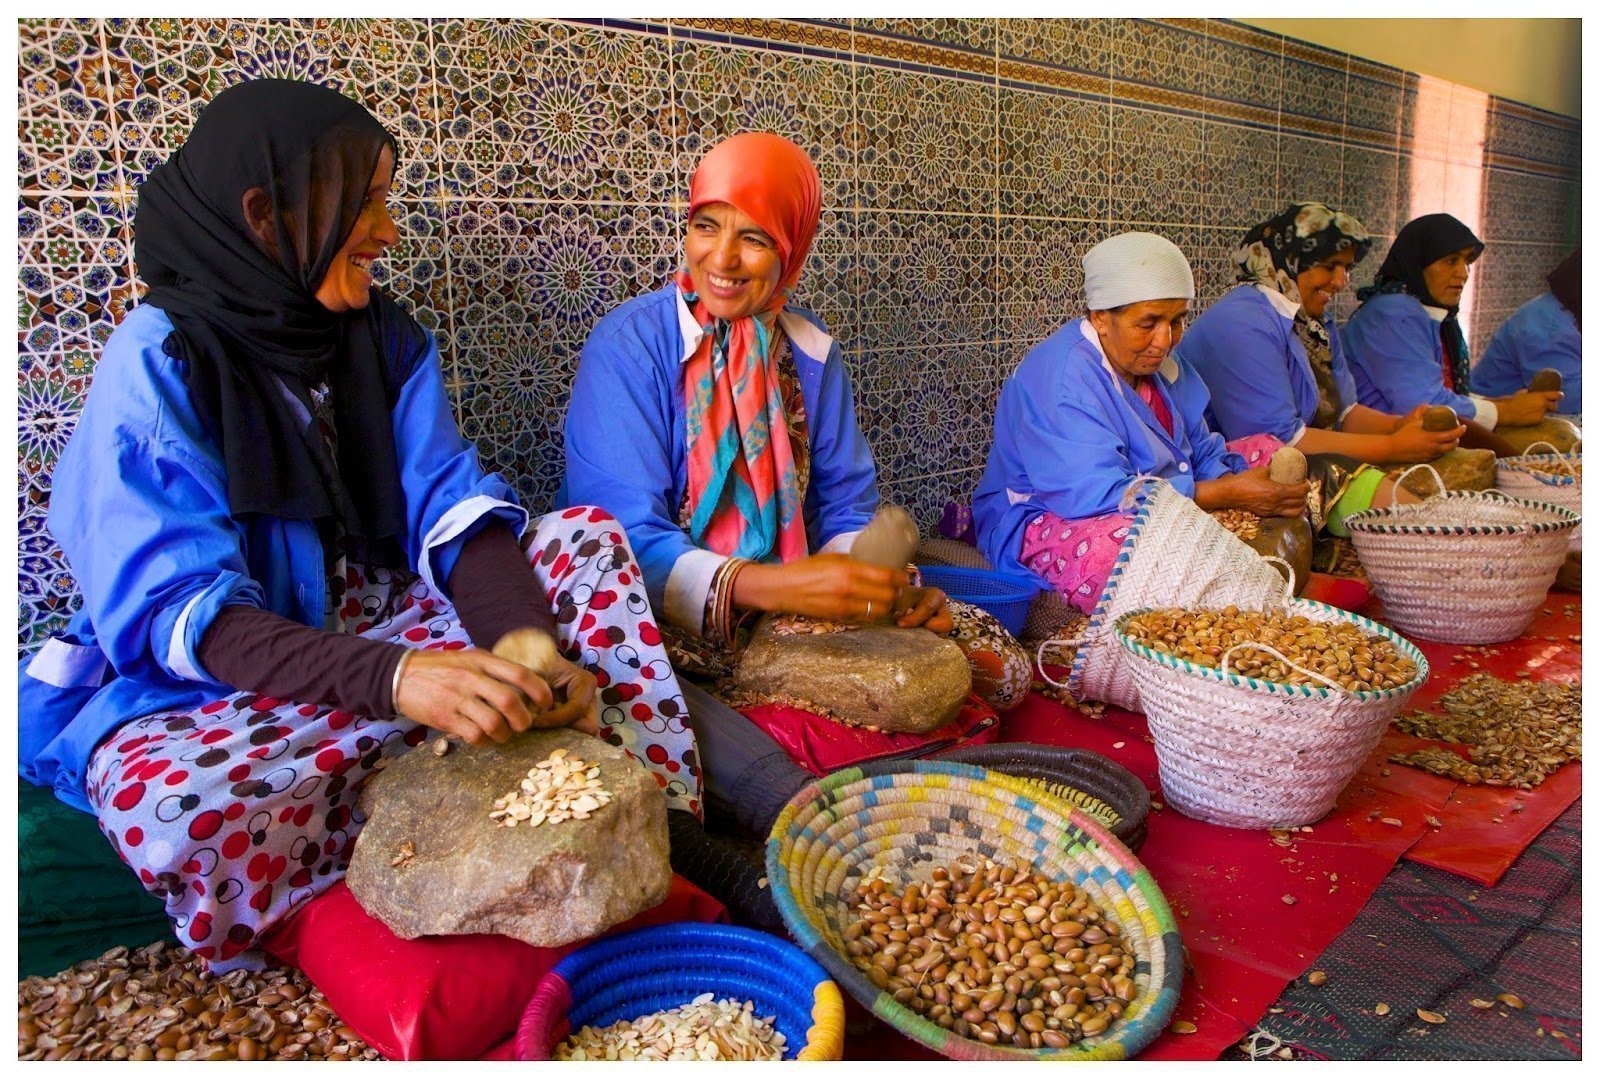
(770, 180)
(743, 487)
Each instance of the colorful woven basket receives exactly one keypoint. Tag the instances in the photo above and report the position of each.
(907, 817)
(1094, 783)
(1467, 567)
(1248, 753)
(651, 970)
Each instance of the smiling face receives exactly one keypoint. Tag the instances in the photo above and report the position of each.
(1138, 337)
(347, 286)
(1319, 283)
(733, 263)
(1446, 278)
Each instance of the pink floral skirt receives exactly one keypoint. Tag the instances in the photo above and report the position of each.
(1077, 556)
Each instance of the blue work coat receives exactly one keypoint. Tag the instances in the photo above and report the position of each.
(1070, 434)
(1539, 334)
(140, 509)
(1256, 368)
(1397, 357)
(627, 441)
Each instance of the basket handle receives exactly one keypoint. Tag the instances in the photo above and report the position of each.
(1291, 664)
(1136, 486)
(1070, 642)
(1288, 587)
(1564, 459)
(1394, 489)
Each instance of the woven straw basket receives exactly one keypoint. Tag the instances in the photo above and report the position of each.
(1175, 555)
(1516, 479)
(908, 817)
(1247, 753)
(1467, 567)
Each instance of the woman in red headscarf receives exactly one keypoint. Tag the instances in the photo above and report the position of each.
(716, 422)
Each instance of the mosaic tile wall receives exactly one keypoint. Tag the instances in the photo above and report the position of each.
(967, 165)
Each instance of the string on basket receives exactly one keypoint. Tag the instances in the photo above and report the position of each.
(1262, 1044)
(1394, 488)
(1285, 660)
(1565, 460)
(1065, 642)
(1135, 489)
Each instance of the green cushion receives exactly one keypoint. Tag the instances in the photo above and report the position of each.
(75, 897)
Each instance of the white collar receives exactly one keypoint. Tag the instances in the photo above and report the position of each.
(1438, 314)
(1168, 369)
(807, 339)
(1280, 303)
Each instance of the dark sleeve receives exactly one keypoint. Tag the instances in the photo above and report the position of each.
(493, 589)
(261, 652)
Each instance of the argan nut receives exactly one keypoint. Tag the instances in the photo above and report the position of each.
(1288, 466)
(1511, 1000)
(1481, 1004)
(1546, 380)
(441, 746)
(1381, 1009)
(1440, 418)
(1317, 977)
(1429, 1017)
(1289, 900)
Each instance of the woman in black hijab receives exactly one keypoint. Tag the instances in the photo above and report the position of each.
(1405, 343)
(287, 551)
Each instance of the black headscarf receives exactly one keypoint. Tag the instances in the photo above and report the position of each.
(1422, 242)
(1566, 284)
(1276, 252)
(247, 324)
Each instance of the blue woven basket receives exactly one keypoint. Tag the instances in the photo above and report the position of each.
(660, 967)
(1004, 595)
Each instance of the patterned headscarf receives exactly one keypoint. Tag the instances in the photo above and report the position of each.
(743, 485)
(1276, 252)
(1422, 242)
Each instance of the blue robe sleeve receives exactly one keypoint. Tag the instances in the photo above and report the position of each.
(619, 435)
(843, 475)
(1399, 352)
(448, 495)
(1078, 465)
(140, 509)
(1257, 395)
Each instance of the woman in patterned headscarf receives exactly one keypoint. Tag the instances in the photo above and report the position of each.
(1272, 357)
(1406, 345)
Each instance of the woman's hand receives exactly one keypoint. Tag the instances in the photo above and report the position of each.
(925, 607)
(481, 698)
(1410, 444)
(1255, 491)
(1527, 407)
(580, 699)
(831, 586)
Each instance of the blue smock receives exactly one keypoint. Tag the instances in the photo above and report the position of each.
(1253, 363)
(1070, 434)
(1539, 334)
(627, 442)
(140, 509)
(1397, 357)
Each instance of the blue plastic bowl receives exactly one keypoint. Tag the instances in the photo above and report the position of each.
(1003, 595)
(660, 967)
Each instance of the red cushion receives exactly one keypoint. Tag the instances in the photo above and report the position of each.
(822, 745)
(434, 998)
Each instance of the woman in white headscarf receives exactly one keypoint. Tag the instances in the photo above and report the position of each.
(1097, 404)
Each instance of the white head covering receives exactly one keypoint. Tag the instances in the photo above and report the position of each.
(1132, 267)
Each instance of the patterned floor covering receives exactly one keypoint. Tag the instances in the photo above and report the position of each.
(1431, 940)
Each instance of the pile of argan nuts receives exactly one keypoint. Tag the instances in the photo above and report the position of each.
(994, 953)
(1569, 467)
(1518, 732)
(159, 1003)
(1242, 523)
(1339, 651)
(703, 1029)
(561, 787)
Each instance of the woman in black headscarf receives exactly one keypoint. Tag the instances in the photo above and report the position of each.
(1405, 343)
(287, 551)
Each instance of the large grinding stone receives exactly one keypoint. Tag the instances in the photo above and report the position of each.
(889, 678)
(1559, 433)
(547, 885)
(1461, 470)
